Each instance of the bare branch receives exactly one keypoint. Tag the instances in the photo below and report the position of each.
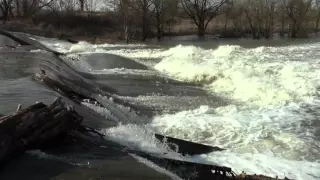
(203, 11)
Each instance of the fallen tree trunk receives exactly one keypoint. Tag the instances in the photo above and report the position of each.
(179, 145)
(40, 126)
(186, 147)
(35, 125)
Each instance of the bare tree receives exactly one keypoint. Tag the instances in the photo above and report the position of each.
(30, 7)
(122, 7)
(136, 13)
(6, 8)
(296, 10)
(18, 7)
(67, 6)
(269, 20)
(253, 15)
(82, 3)
(163, 11)
(125, 13)
(282, 18)
(234, 19)
(159, 9)
(142, 10)
(91, 7)
(317, 9)
(260, 15)
(203, 11)
(228, 11)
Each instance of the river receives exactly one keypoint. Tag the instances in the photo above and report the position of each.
(257, 99)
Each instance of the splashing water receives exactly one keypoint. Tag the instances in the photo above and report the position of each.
(271, 126)
(257, 77)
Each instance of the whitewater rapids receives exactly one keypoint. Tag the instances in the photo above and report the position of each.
(271, 125)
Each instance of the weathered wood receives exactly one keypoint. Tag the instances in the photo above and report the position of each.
(200, 171)
(39, 125)
(179, 145)
(35, 125)
(186, 147)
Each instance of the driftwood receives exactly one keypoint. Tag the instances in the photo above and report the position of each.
(34, 126)
(39, 125)
(186, 147)
(199, 171)
(182, 168)
(179, 145)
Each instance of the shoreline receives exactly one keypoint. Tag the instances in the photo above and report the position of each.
(113, 35)
(23, 27)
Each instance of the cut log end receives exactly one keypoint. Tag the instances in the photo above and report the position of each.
(34, 125)
(39, 125)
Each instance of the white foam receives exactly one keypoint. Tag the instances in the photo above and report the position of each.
(272, 146)
(37, 51)
(131, 116)
(127, 50)
(268, 141)
(258, 77)
(57, 45)
(139, 53)
(115, 112)
(266, 130)
(139, 138)
(82, 46)
(266, 164)
(101, 111)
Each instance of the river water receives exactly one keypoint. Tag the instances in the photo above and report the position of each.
(259, 99)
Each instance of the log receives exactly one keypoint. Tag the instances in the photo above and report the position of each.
(186, 147)
(181, 146)
(32, 127)
(43, 127)
(39, 125)
(200, 171)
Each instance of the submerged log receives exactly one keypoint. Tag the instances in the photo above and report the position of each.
(40, 125)
(181, 146)
(200, 171)
(35, 125)
(186, 147)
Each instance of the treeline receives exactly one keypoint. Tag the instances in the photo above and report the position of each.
(156, 18)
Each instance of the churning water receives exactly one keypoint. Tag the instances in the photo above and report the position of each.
(270, 124)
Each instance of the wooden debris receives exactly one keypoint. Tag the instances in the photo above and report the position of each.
(31, 127)
(187, 147)
(40, 126)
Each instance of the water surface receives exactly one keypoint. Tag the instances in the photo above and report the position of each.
(257, 99)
